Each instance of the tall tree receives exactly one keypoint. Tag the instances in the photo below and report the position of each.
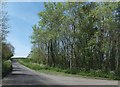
(78, 36)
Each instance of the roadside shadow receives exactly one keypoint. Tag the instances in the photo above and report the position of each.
(60, 86)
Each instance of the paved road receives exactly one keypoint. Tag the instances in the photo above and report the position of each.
(22, 75)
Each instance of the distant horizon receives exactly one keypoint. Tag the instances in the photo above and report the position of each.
(17, 56)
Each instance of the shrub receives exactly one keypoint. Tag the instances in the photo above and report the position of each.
(117, 74)
(6, 67)
(72, 71)
(67, 71)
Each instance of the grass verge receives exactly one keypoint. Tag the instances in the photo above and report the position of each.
(98, 74)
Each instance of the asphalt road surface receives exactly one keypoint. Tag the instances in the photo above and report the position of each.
(22, 76)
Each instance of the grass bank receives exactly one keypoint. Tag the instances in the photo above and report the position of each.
(98, 74)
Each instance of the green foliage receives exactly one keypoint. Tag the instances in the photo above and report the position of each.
(6, 67)
(28, 63)
(76, 36)
(91, 73)
(117, 74)
(7, 51)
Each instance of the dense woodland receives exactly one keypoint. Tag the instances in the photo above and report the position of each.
(78, 36)
(6, 49)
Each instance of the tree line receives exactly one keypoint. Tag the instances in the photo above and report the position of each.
(78, 36)
(6, 49)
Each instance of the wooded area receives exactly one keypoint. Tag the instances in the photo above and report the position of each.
(78, 36)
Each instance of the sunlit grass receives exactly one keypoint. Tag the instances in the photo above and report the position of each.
(98, 74)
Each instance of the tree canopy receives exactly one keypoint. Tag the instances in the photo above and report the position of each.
(78, 36)
(6, 49)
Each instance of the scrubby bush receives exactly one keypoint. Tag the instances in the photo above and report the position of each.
(7, 53)
(117, 74)
(6, 67)
(83, 72)
(71, 71)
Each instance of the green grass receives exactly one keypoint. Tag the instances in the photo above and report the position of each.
(57, 71)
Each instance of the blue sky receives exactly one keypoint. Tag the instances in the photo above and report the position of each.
(22, 15)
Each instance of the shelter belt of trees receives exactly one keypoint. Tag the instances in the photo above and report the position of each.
(78, 36)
